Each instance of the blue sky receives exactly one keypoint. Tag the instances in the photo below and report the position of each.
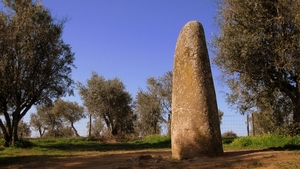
(132, 40)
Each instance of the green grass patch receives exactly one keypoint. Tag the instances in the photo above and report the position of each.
(77, 146)
(153, 139)
(266, 142)
(51, 147)
(71, 146)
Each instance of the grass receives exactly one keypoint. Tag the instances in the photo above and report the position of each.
(71, 146)
(34, 149)
(62, 146)
(153, 139)
(276, 142)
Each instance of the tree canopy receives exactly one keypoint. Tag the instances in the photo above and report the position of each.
(70, 112)
(45, 122)
(35, 63)
(37, 123)
(108, 100)
(53, 120)
(258, 52)
(153, 106)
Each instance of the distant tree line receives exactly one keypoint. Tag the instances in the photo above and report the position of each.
(111, 110)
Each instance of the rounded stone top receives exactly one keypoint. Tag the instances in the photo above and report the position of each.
(191, 37)
(193, 26)
(193, 23)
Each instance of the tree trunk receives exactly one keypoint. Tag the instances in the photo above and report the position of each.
(7, 130)
(40, 131)
(90, 126)
(106, 122)
(7, 137)
(296, 119)
(296, 113)
(114, 131)
(76, 133)
(15, 129)
(169, 124)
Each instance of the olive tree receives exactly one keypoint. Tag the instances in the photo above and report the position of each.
(24, 130)
(153, 106)
(46, 122)
(35, 62)
(70, 112)
(258, 53)
(37, 124)
(108, 100)
(96, 128)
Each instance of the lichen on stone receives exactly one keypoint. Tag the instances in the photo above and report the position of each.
(195, 123)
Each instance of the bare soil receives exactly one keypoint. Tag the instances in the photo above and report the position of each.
(161, 159)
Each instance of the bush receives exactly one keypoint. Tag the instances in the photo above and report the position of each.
(228, 137)
(230, 134)
(265, 141)
(23, 144)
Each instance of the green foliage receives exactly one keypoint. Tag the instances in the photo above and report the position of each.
(35, 62)
(57, 120)
(227, 140)
(266, 141)
(23, 130)
(1, 141)
(97, 127)
(230, 134)
(108, 100)
(23, 144)
(273, 122)
(71, 146)
(39, 120)
(70, 112)
(220, 114)
(61, 132)
(258, 53)
(228, 137)
(153, 106)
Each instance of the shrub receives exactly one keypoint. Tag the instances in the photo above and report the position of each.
(230, 134)
(228, 137)
(265, 141)
(23, 144)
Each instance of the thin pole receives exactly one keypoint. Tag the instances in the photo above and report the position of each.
(253, 130)
(248, 132)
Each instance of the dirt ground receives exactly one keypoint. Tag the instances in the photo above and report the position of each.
(161, 159)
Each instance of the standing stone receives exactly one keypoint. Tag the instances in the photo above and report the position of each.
(195, 122)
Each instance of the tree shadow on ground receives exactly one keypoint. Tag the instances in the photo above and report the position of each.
(233, 153)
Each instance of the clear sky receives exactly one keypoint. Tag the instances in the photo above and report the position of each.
(131, 39)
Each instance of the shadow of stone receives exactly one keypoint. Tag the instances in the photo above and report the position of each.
(242, 152)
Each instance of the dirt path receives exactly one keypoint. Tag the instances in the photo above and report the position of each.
(161, 159)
